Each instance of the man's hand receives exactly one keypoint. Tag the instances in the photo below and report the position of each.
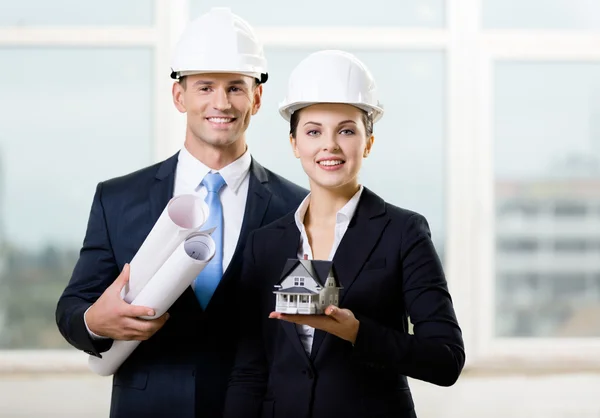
(114, 318)
(339, 322)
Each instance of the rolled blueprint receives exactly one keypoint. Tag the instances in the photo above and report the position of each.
(182, 215)
(161, 291)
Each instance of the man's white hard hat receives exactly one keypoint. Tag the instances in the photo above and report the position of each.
(219, 42)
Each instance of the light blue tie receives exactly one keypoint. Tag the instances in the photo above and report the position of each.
(209, 278)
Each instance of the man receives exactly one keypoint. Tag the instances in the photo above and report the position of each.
(182, 366)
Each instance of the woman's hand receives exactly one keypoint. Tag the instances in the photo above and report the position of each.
(339, 322)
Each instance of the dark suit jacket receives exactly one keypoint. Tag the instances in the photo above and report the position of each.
(389, 271)
(182, 370)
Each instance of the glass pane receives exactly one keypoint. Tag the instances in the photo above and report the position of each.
(406, 166)
(547, 167)
(77, 13)
(61, 132)
(407, 13)
(541, 14)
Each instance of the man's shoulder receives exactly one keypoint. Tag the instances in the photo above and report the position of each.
(129, 179)
(140, 179)
(280, 185)
(276, 226)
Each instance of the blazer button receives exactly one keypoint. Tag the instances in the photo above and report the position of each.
(310, 374)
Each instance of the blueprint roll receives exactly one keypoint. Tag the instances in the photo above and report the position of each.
(161, 291)
(183, 215)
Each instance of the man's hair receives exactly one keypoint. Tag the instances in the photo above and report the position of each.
(183, 82)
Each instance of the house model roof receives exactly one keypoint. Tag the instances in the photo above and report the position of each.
(296, 290)
(317, 269)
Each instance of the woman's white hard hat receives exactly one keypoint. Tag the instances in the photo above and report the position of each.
(331, 76)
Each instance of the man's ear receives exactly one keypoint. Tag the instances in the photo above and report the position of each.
(178, 97)
(258, 91)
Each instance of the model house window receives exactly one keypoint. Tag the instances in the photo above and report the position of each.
(298, 281)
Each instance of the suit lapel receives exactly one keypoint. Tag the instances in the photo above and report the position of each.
(288, 248)
(360, 239)
(162, 190)
(161, 193)
(256, 207)
(356, 246)
(292, 333)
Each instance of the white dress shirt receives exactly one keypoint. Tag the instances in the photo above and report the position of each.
(342, 220)
(233, 195)
(188, 176)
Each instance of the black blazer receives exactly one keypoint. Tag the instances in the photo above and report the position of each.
(389, 271)
(182, 370)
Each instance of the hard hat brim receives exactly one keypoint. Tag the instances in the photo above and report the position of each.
(286, 110)
(262, 78)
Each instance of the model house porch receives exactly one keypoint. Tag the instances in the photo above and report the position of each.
(296, 301)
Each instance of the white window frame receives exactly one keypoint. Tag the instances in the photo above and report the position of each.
(169, 128)
(470, 56)
(506, 46)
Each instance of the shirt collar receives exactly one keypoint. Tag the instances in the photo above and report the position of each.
(191, 171)
(345, 214)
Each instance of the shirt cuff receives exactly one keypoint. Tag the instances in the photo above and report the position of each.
(94, 336)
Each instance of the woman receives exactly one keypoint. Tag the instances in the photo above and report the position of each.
(353, 360)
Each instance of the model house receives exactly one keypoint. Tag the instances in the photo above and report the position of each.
(306, 287)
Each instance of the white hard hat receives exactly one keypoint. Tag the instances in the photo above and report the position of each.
(331, 76)
(219, 42)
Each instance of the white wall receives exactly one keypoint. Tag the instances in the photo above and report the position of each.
(516, 396)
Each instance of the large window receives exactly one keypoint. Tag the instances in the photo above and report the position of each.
(69, 118)
(542, 14)
(77, 13)
(547, 159)
(405, 13)
(536, 277)
(491, 131)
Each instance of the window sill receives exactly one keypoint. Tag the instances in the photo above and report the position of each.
(521, 366)
(72, 361)
(42, 361)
